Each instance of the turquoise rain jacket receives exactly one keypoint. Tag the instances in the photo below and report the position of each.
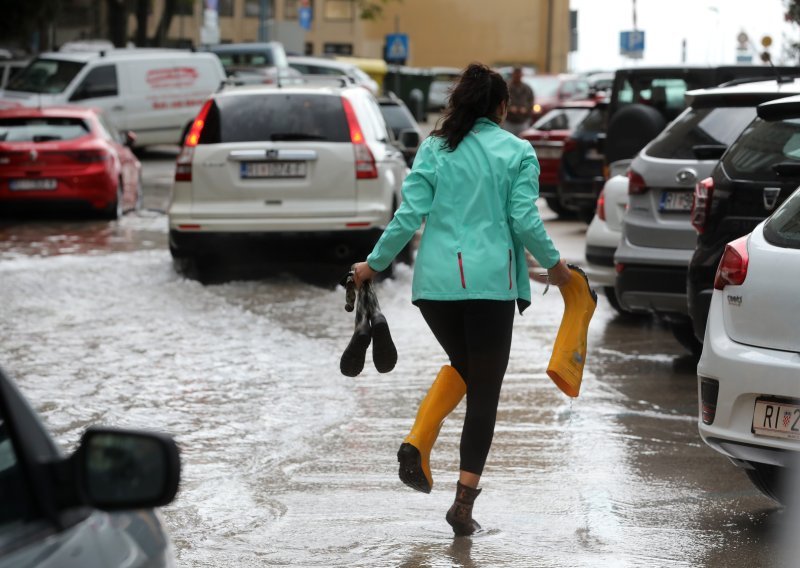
(479, 207)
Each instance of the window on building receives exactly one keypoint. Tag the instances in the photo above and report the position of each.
(252, 8)
(225, 8)
(309, 48)
(338, 49)
(184, 7)
(340, 10)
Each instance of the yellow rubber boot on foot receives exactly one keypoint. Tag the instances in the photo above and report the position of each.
(414, 455)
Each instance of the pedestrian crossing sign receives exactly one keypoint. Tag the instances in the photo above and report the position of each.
(396, 48)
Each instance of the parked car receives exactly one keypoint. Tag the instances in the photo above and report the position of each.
(66, 155)
(600, 83)
(547, 136)
(443, 80)
(313, 166)
(749, 372)
(323, 66)
(263, 76)
(551, 90)
(757, 173)
(402, 125)
(9, 68)
(658, 239)
(581, 174)
(155, 92)
(267, 59)
(94, 508)
(605, 230)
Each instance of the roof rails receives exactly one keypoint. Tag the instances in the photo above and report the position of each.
(761, 78)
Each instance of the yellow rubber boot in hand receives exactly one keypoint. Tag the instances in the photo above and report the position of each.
(569, 351)
(414, 455)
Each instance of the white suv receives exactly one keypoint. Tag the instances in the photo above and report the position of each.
(313, 166)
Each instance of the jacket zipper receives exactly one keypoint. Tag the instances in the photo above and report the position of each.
(510, 282)
(461, 270)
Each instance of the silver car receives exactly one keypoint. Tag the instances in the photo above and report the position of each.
(658, 240)
(93, 509)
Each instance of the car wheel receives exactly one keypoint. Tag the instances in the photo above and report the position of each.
(683, 331)
(611, 296)
(769, 480)
(556, 207)
(630, 129)
(586, 214)
(115, 208)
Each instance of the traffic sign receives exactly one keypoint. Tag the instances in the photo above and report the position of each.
(631, 44)
(396, 48)
(304, 17)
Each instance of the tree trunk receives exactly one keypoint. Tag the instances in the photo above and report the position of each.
(163, 24)
(117, 20)
(141, 23)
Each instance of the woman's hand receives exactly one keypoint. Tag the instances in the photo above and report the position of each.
(557, 276)
(362, 272)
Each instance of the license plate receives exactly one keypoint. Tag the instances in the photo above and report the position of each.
(273, 170)
(32, 184)
(676, 201)
(776, 419)
(547, 153)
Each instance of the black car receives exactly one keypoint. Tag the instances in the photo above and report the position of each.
(404, 127)
(757, 173)
(581, 172)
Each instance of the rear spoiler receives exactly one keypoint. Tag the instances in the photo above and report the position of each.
(780, 109)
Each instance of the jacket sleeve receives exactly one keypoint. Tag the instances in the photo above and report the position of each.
(417, 192)
(526, 223)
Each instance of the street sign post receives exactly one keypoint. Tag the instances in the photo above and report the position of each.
(631, 44)
(396, 48)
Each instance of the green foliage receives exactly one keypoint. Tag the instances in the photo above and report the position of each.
(370, 10)
(792, 15)
(21, 18)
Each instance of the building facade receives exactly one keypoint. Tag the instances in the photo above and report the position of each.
(441, 32)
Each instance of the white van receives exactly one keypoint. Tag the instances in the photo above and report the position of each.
(156, 93)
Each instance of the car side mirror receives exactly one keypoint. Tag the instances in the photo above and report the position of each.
(409, 138)
(129, 138)
(127, 469)
(709, 151)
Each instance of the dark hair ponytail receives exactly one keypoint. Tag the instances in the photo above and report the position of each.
(477, 94)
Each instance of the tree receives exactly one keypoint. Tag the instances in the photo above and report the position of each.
(373, 10)
(21, 19)
(792, 15)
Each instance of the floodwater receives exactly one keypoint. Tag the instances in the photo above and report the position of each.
(288, 463)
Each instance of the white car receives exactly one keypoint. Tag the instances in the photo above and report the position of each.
(322, 66)
(312, 166)
(605, 230)
(443, 80)
(749, 372)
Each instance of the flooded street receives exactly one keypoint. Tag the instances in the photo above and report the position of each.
(288, 463)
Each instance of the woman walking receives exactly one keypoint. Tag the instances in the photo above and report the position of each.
(475, 185)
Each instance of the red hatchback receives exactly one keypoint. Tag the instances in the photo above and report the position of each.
(547, 135)
(64, 156)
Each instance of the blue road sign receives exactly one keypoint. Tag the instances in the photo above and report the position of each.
(631, 44)
(304, 17)
(396, 48)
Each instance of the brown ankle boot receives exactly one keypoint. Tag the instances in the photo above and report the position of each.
(460, 514)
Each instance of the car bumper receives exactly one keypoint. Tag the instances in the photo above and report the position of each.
(578, 193)
(96, 189)
(657, 289)
(744, 374)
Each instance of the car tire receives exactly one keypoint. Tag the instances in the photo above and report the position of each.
(115, 209)
(586, 214)
(683, 331)
(769, 480)
(556, 207)
(630, 129)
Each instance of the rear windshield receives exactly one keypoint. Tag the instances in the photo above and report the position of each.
(396, 118)
(761, 146)
(37, 129)
(783, 228)
(543, 86)
(253, 58)
(48, 76)
(562, 119)
(276, 117)
(697, 127)
(664, 94)
(595, 121)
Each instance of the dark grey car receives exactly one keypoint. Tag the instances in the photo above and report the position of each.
(658, 239)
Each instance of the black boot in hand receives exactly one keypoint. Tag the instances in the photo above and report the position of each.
(352, 362)
(384, 353)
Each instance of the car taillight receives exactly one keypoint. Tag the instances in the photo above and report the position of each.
(365, 161)
(183, 165)
(701, 204)
(601, 206)
(570, 145)
(636, 185)
(732, 269)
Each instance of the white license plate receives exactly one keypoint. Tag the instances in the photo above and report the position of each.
(676, 201)
(273, 170)
(776, 419)
(547, 153)
(32, 184)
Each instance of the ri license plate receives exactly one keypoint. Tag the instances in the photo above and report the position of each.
(273, 170)
(547, 152)
(32, 184)
(680, 201)
(776, 419)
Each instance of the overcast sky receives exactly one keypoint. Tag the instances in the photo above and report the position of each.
(710, 28)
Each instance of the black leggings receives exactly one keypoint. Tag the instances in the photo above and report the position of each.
(476, 335)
